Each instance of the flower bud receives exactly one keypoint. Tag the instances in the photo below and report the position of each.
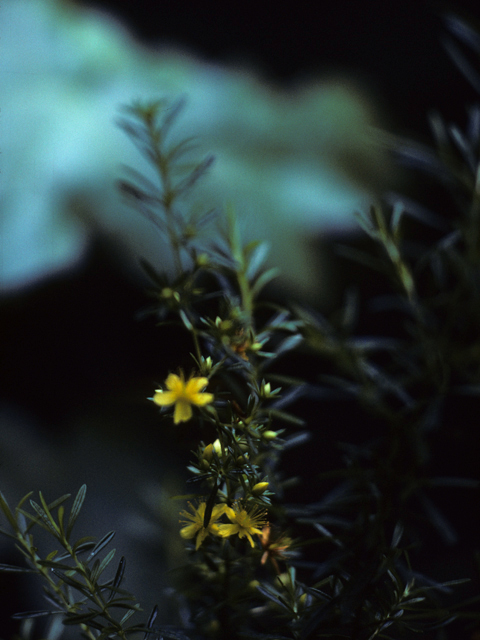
(206, 364)
(208, 453)
(269, 435)
(217, 447)
(259, 488)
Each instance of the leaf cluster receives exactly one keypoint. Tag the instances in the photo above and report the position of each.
(75, 586)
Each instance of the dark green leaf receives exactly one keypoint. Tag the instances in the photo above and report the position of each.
(6, 510)
(185, 320)
(23, 500)
(7, 568)
(209, 506)
(80, 618)
(101, 544)
(33, 614)
(70, 581)
(43, 519)
(127, 616)
(102, 566)
(84, 544)
(274, 597)
(152, 618)
(53, 564)
(120, 573)
(263, 280)
(76, 507)
(56, 503)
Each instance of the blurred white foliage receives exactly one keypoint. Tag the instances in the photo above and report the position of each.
(286, 161)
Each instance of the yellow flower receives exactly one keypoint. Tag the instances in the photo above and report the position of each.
(195, 527)
(243, 522)
(183, 394)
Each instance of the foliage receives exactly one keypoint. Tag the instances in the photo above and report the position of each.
(257, 567)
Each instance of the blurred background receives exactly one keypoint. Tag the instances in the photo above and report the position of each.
(289, 98)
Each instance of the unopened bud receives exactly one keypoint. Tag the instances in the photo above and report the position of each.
(208, 452)
(259, 488)
(217, 447)
(207, 364)
(269, 435)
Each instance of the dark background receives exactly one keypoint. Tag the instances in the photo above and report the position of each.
(74, 348)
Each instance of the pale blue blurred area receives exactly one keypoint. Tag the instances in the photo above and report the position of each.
(295, 165)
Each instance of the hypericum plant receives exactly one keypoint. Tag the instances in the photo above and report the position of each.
(252, 568)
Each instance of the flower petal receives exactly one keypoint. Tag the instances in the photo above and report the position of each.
(249, 538)
(194, 385)
(164, 398)
(183, 411)
(201, 399)
(174, 383)
(226, 530)
(231, 514)
(189, 531)
(218, 511)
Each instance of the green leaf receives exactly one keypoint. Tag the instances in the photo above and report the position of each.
(56, 503)
(289, 343)
(8, 568)
(80, 618)
(6, 510)
(76, 507)
(256, 259)
(209, 506)
(102, 566)
(128, 615)
(61, 513)
(70, 581)
(32, 614)
(84, 544)
(151, 619)
(185, 320)
(274, 596)
(55, 564)
(24, 499)
(118, 576)
(263, 280)
(43, 520)
(101, 544)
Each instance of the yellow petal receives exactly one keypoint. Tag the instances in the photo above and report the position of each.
(189, 531)
(226, 530)
(194, 385)
(174, 383)
(164, 398)
(254, 530)
(249, 538)
(217, 511)
(231, 514)
(183, 411)
(201, 399)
